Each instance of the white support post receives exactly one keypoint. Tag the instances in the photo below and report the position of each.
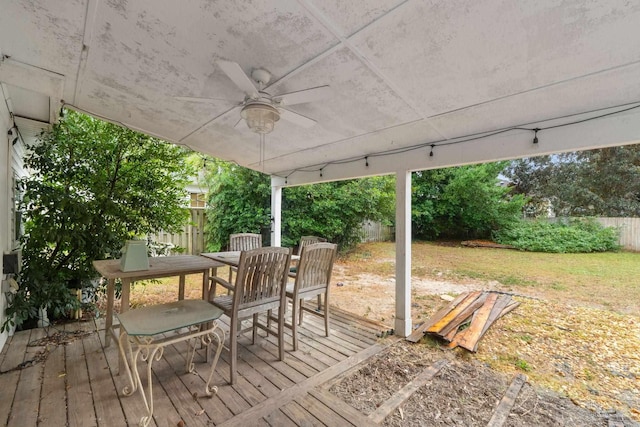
(403, 254)
(276, 211)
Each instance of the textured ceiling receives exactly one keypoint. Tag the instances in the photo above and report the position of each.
(402, 74)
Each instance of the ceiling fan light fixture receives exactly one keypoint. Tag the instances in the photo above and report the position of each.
(260, 117)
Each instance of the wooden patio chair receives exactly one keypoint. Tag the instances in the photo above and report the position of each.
(304, 241)
(243, 242)
(260, 287)
(312, 279)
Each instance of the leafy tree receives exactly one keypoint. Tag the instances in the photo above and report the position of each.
(604, 182)
(93, 185)
(335, 210)
(240, 201)
(462, 202)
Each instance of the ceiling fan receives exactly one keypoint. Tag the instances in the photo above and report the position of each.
(259, 109)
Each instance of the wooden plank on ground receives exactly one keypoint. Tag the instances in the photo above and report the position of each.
(453, 312)
(504, 407)
(473, 333)
(405, 392)
(455, 335)
(509, 308)
(462, 315)
(422, 329)
(502, 302)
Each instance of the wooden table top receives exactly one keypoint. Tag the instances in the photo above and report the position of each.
(179, 264)
(231, 257)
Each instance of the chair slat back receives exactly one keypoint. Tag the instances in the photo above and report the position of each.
(309, 240)
(262, 276)
(315, 266)
(245, 241)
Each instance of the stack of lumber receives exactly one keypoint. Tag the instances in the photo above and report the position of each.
(482, 308)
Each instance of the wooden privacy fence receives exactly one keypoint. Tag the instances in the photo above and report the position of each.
(629, 231)
(191, 239)
(376, 232)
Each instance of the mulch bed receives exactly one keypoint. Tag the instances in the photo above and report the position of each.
(465, 392)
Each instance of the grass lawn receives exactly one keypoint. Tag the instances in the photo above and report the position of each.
(576, 332)
(604, 280)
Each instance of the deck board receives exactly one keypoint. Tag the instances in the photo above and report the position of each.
(26, 404)
(78, 384)
(52, 400)
(14, 354)
(80, 411)
(105, 395)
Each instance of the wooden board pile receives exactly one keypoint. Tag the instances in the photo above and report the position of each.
(482, 308)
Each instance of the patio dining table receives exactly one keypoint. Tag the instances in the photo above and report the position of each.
(159, 267)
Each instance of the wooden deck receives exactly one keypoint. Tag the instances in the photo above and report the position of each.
(77, 384)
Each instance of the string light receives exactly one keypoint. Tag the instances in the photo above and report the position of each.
(535, 135)
(432, 145)
(13, 132)
(468, 138)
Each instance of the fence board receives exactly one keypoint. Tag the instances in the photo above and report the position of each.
(376, 232)
(191, 239)
(629, 231)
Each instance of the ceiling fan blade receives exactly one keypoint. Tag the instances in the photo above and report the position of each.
(238, 123)
(235, 73)
(201, 100)
(296, 118)
(302, 96)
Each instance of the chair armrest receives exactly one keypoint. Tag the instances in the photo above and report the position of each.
(215, 280)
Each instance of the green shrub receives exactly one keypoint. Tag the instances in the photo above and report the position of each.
(571, 236)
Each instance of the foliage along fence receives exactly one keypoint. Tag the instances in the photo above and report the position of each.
(629, 229)
(191, 239)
